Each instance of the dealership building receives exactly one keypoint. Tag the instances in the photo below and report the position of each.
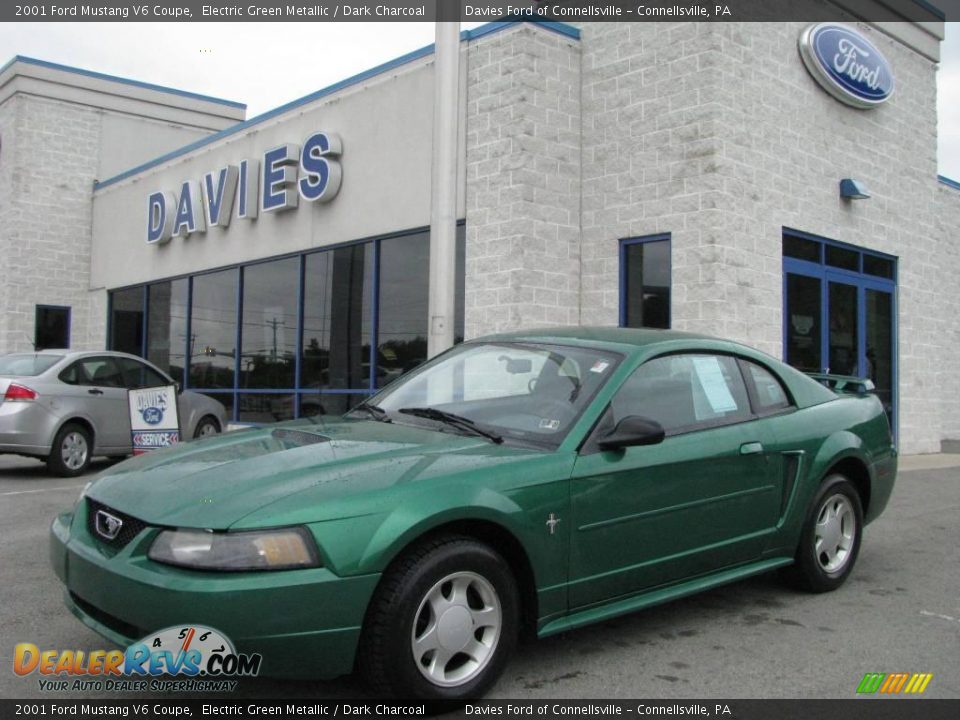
(773, 183)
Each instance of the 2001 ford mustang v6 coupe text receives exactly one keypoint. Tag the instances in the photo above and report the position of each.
(539, 480)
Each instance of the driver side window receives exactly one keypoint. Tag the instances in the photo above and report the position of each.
(684, 393)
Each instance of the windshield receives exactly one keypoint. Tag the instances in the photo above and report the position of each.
(27, 364)
(523, 391)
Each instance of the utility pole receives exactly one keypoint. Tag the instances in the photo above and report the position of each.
(443, 212)
(274, 324)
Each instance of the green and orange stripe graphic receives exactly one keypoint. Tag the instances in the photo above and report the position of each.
(894, 683)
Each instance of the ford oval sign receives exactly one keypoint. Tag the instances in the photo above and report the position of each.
(846, 64)
(152, 415)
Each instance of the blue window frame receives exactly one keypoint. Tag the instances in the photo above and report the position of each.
(840, 311)
(645, 281)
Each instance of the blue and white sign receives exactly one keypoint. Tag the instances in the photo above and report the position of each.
(274, 182)
(154, 421)
(846, 65)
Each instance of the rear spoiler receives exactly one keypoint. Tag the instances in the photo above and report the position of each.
(846, 384)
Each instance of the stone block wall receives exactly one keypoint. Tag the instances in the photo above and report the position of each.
(717, 134)
(523, 181)
(50, 158)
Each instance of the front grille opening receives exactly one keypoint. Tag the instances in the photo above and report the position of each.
(128, 530)
(108, 620)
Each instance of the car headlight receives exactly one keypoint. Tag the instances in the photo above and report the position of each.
(283, 549)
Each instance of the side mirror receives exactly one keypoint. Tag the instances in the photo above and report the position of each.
(633, 430)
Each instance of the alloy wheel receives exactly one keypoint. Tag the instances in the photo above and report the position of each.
(456, 629)
(74, 450)
(835, 533)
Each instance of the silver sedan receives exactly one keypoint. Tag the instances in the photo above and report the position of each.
(65, 407)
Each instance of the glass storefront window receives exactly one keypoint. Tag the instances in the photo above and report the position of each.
(840, 314)
(881, 267)
(312, 404)
(268, 345)
(801, 248)
(842, 258)
(645, 295)
(319, 303)
(213, 330)
(879, 352)
(126, 320)
(404, 301)
(167, 326)
(337, 299)
(803, 323)
(265, 407)
(844, 339)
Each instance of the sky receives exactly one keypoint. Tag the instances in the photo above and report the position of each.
(269, 64)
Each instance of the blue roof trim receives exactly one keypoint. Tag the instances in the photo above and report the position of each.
(931, 8)
(948, 182)
(122, 80)
(425, 51)
(492, 27)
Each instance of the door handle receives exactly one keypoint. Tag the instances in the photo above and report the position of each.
(751, 448)
(95, 391)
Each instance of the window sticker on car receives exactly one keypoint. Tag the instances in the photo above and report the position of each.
(714, 385)
(599, 366)
(549, 424)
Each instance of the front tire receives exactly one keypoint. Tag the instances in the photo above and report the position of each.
(831, 537)
(443, 622)
(71, 451)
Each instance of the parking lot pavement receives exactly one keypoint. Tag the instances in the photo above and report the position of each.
(899, 612)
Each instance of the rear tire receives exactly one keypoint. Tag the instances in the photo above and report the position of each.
(442, 624)
(831, 537)
(206, 427)
(71, 450)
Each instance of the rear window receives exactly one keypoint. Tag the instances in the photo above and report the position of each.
(27, 364)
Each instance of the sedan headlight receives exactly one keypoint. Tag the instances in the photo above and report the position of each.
(283, 549)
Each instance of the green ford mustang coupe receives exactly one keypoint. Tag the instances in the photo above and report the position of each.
(534, 481)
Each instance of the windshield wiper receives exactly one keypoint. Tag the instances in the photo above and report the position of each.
(453, 420)
(374, 411)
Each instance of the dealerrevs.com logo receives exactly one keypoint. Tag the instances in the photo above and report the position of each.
(204, 657)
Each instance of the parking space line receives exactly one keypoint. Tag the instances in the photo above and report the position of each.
(41, 490)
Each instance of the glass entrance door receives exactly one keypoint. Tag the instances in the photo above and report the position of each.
(879, 352)
(840, 318)
(843, 336)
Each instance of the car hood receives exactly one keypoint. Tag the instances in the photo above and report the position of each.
(215, 483)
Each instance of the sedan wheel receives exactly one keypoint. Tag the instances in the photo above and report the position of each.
(442, 623)
(206, 427)
(831, 537)
(70, 451)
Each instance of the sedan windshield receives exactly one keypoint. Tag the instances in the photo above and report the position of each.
(525, 392)
(27, 364)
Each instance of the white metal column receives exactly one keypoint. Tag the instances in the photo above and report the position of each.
(443, 212)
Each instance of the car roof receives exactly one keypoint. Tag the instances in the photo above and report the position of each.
(68, 355)
(648, 342)
(628, 338)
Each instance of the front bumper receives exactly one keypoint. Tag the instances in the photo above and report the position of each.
(305, 623)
